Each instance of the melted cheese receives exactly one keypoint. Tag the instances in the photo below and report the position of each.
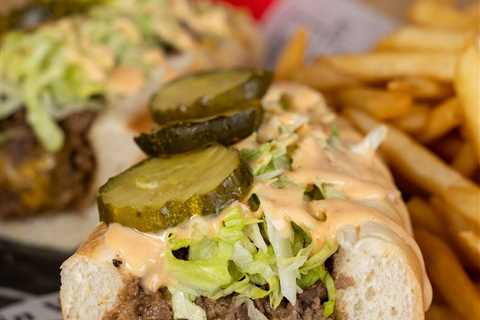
(369, 197)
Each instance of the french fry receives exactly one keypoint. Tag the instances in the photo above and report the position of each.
(444, 118)
(439, 312)
(460, 231)
(448, 147)
(425, 39)
(467, 84)
(469, 242)
(324, 76)
(382, 66)
(421, 87)
(423, 216)
(465, 160)
(415, 121)
(439, 14)
(379, 103)
(465, 203)
(293, 56)
(409, 158)
(448, 276)
(473, 10)
(453, 221)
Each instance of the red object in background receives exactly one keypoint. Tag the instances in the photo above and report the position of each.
(256, 7)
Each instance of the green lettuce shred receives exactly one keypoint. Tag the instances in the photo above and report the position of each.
(248, 257)
(271, 159)
(184, 308)
(65, 66)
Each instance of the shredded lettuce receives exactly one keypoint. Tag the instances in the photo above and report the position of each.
(253, 312)
(329, 191)
(204, 276)
(254, 234)
(283, 250)
(282, 182)
(329, 306)
(64, 66)
(371, 141)
(184, 308)
(9, 100)
(314, 270)
(271, 159)
(320, 257)
(247, 256)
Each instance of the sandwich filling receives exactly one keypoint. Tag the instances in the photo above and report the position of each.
(266, 256)
(32, 179)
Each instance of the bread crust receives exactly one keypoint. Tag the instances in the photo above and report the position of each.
(95, 252)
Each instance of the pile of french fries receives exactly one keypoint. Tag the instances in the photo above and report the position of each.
(423, 83)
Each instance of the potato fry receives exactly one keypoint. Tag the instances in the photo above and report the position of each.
(381, 66)
(467, 84)
(439, 312)
(448, 147)
(420, 87)
(292, 56)
(444, 118)
(415, 121)
(473, 9)
(469, 242)
(459, 230)
(409, 158)
(322, 75)
(425, 39)
(454, 222)
(465, 160)
(379, 103)
(439, 14)
(464, 202)
(423, 216)
(447, 274)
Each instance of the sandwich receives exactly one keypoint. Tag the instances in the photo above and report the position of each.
(255, 202)
(73, 92)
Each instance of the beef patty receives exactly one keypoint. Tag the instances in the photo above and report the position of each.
(32, 180)
(136, 304)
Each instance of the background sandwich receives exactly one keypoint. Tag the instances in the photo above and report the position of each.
(73, 92)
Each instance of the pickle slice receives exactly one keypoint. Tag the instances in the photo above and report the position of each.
(185, 136)
(208, 93)
(162, 192)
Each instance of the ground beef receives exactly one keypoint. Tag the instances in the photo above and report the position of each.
(32, 180)
(223, 308)
(308, 306)
(135, 304)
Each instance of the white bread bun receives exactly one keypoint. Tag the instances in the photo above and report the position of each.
(380, 279)
(385, 285)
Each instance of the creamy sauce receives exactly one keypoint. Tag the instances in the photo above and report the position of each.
(141, 254)
(369, 196)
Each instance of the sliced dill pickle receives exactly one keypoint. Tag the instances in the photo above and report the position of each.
(208, 93)
(180, 137)
(162, 192)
